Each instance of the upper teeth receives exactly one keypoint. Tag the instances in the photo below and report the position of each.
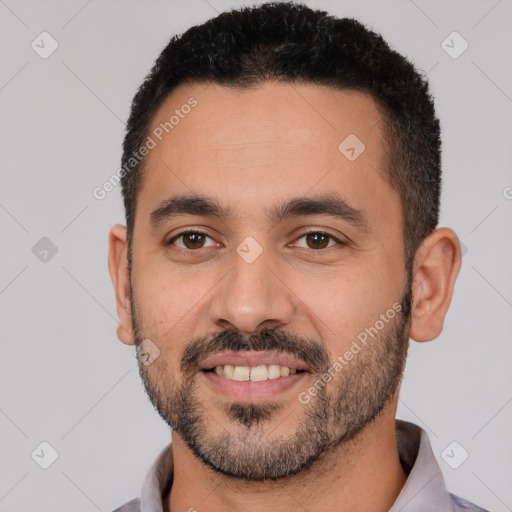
(271, 371)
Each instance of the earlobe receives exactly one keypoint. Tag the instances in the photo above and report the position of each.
(436, 266)
(118, 269)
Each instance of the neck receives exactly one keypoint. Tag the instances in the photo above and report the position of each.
(362, 475)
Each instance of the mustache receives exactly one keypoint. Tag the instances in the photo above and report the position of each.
(268, 339)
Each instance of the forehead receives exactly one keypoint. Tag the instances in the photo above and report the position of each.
(265, 141)
(314, 116)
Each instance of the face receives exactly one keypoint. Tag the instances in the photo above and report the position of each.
(268, 271)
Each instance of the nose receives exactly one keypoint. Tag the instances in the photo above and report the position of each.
(252, 297)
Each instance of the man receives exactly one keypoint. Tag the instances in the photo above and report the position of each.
(281, 181)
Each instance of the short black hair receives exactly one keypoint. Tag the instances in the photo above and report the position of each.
(290, 42)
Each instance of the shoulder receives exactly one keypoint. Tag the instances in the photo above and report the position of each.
(462, 505)
(131, 506)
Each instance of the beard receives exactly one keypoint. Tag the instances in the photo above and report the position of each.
(340, 410)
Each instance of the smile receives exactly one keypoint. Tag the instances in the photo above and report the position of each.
(255, 373)
(252, 376)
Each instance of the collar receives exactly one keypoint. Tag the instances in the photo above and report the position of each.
(424, 489)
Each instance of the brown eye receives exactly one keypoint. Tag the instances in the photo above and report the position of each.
(193, 240)
(318, 240)
(190, 240)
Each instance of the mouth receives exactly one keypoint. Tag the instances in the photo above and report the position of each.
(252, 376)
(254, 373)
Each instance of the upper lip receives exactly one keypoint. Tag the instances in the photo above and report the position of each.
(253, 358)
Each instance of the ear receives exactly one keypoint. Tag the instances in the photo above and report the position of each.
(436, 265)
(118, 268)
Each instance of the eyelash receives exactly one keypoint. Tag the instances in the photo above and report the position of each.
(198, 232)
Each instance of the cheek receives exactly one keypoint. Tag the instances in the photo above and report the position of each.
(164, 308)
(165, 294)
(343, 304)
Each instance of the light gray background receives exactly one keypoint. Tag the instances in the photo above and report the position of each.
(64, 376)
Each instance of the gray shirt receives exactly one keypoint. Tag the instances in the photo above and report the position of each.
(424, 490)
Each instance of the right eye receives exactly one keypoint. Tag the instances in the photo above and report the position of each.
(191, 240)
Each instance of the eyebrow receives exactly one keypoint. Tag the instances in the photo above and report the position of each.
(330, 205)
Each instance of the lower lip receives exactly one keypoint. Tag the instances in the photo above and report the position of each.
(251, 391)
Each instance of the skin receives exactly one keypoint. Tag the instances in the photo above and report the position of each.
(251, 150)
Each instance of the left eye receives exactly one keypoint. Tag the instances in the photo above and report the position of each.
(318, 240)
